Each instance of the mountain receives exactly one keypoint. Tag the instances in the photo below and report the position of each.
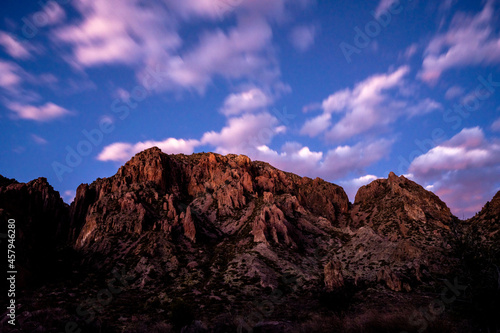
(487, 221)
(401, 234)
(212, 243)
(41, 219)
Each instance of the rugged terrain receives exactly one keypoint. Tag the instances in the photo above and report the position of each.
(212, 243)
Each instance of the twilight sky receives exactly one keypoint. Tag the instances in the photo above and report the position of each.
(346, 91)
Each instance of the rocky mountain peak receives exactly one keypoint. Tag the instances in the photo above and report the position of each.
(486, 223)
(6, 181)
(398, 201)
(392, 176)
(196, 192)
(147, 166)
(492, 207)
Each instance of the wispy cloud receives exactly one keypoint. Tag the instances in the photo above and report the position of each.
(47, 112)
(302, 37)
(454, 92)
(122, 151)
(463, 171)
(10, 75)
(69, 195)
(144, 36)
(246, 101)
(384, 6)
(496, 125)
(334, 164)
(38, 139)
(364, 107)
(237, 54)
(317, 125)
(118, 32)
(243, 134)
(15, 48)
(470, 40)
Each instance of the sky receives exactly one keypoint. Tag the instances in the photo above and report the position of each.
(342, 90)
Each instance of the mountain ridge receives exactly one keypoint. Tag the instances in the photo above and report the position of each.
(207, 229)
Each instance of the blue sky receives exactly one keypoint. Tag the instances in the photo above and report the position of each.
(347, 91)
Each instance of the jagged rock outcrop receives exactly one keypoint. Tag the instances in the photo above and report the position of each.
(392, 280)
(399, 208)
(486, 223)
(250, 219)
(153, 189)
(333, 275)
(400, 235)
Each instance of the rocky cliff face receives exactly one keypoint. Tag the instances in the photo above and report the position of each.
(232, 219)
(207, 235)
(155, 191)
(487, 222)
(400, 235)
(399, 208)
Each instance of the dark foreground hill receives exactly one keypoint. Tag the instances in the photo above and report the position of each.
(211, 243)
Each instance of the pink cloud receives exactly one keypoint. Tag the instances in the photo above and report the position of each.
(47, 112)
(367, 107)
(496, 125)
(410, 51)
(51, 14)
(364, 107)
(219, 9)
(121, 151)
(239, 53)
(293, 157)
(10, 75)
(453, 92)
(463, 171)
(15, 48)
(466, 150)
(38, 139)
(427, 105)
(317, 125)
(335, 164)
(470, 40)
(302, 37)
(244, 134)
(246, 101)
(118, 32)
(146, 36)
(132, 33)
(384, 6)
(201, 8)
(346, 159)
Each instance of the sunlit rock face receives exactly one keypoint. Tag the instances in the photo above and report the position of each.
(204, 240)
